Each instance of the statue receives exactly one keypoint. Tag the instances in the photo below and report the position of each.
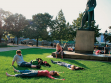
(88, 14)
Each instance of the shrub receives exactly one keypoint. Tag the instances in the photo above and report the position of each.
(3, 44)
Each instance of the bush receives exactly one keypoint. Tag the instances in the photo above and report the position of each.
(3, 44)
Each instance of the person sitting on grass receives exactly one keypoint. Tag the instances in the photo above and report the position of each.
(20, 62)
(35, 73)
(69, 66)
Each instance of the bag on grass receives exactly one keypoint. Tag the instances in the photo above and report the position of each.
(34, 62)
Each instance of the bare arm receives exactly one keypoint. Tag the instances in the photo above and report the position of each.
(58, 79)
(54, 78)
(71, 69)
(13, 62)
(56, 49)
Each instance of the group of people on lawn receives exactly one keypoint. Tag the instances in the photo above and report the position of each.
(33, 73)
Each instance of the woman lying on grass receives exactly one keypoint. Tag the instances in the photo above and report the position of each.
(35, 73)
(69, 66)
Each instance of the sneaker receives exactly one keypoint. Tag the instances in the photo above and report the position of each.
(52, 61)
(38, 66)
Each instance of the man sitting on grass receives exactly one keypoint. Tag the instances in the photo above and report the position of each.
(19, 60)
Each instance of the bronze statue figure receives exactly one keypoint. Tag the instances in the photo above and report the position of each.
(88, 14)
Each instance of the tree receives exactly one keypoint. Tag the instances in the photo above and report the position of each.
(58, 30)
(15, 24)
(70, 32)
(38, 26)
(77, 24)
(3, 16)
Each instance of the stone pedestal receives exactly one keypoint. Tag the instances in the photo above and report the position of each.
(84, 42)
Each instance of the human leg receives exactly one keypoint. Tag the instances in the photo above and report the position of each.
(29, 74)
(78, 68)
(56, 53)
(9, 75)
(15, 70)
(62, 54)
(60, 63)
(55, 62)
(22, 71)
(26, 64)
(36, 66)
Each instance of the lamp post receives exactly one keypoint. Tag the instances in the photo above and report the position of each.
(105, 37)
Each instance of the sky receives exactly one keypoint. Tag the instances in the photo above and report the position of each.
(70, 8)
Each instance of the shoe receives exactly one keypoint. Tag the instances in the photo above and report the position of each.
(52, 61)
(38, 66)
(49, 65)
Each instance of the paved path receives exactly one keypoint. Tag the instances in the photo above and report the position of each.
(18, 47)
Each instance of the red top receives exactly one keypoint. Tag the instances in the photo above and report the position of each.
(44, 73)
(98, 51)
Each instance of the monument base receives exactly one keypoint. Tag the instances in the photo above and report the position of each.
(84, 42)
(83, 52)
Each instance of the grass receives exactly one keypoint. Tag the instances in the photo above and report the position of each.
(95, 71)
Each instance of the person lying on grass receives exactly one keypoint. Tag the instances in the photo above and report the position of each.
(20, 62)
(69, 66)
(35, 73)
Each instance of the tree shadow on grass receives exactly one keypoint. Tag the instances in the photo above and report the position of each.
(27, 51)
(25, 68)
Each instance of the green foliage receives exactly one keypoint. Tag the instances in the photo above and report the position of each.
(60, 30)
(3, 16)
(77, 23)
(95, 71)
(3, 44)
(37, 27)
(15, 24)
(40, 22)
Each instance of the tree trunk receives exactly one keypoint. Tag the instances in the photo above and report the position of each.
(0, 38)
(37, 42)
(17, 40)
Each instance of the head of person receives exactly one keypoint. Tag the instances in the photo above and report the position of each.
(65, 44)
(72, 66)
(106, 45)
(54, 73)
(58, 45)
(18, 52)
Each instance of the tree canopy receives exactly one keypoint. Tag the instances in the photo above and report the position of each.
(15, 24)
(37, 27)
(3, 16)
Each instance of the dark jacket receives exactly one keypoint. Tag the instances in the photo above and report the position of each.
(90, 3)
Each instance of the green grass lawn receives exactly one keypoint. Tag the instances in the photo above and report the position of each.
(95, 71)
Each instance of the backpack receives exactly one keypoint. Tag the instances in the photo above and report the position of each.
(34, 62)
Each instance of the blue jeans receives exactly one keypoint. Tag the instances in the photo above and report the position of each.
(27, 73)
(25, 64)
